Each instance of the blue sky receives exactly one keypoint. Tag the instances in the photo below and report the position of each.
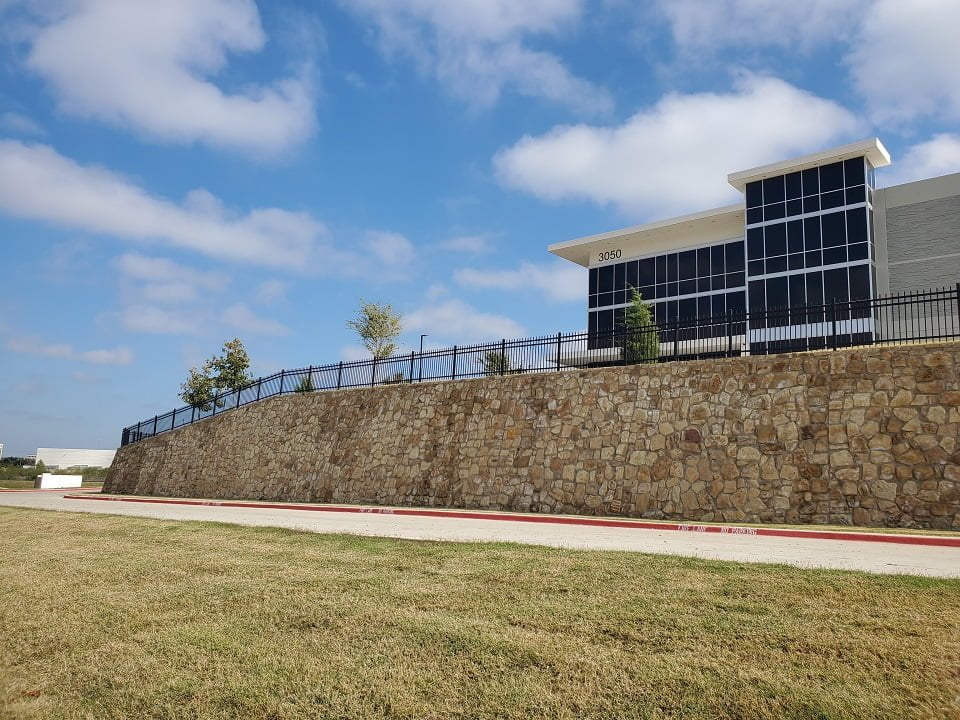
(176, 174)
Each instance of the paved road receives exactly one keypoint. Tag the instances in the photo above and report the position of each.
(801, 552)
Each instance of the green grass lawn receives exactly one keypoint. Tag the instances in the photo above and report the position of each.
(110, 617)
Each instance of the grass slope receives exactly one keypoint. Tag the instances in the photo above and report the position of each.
(110, 617)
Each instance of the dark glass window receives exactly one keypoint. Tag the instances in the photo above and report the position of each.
(755, 243)
(833, 256)
(606, 279)
(831, 177)
(672, 267)
(835, 285)
(593, 301)
(592, 322)
(754, 215)
(703, 306)
(604, 320)
(811, 185)
(661, 269)
(737, 279)
(755, 267)
(773, 190)
(618, 316)
(857, 225)
(593, 280)
(703, 262)
(620, 276)
(734, 253)
(688, 264)
(834, 229)
(777, 293)
(814, 258)
(754, 194)
(719, 282)
(687, 309)
(703, 284)
(660, 311)
(798, 297)
(814, 295)
(795, 261)
(716, 260)
(604, 299)
(775, 211)
(794, 186)
(811, 233)
(856, 195)
(648, 292)
(811, 204)
(673, 288)
(776, 239)
(859, 282)
(795, 236)
(860, 251)
(854, 172)
(648, 273)
(831, 200)
(758, 296)
(633, 274)
(777, 264)
(687, 287)
(736, 302)
(719, 305)
(661, 291)
(794, 207)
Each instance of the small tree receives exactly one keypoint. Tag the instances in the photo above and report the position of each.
(641, 341)
(198, 389)
(227, 371)
(378, 326)
(495, 362)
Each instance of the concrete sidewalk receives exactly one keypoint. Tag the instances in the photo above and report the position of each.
(736, 544)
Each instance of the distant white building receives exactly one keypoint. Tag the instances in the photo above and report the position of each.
(68, 458)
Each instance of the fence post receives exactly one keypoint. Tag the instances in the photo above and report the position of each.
(193, 414)
(138, 431)
(729, 335)
(503, 356)
(955, 328)
(339, 374)
(453, 371)
(238, 398)
(125, 437)
(411, 365)
(419, 368)
(310, 377)
(559, 336)
(259, 387)
(833, 318)
(676, 339)
(282, 374)
(373, 371)
(155, 424)
(214, 412)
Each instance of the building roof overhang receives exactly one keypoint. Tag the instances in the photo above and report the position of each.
(702, 227)
(872, 149)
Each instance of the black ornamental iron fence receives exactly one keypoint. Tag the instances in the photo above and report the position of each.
(905, 318)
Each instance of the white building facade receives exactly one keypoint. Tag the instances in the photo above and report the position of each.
(58, 458)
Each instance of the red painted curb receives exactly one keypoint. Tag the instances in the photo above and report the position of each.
(14, 490)
(929, 540)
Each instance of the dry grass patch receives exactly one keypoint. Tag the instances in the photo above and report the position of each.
(110, 617)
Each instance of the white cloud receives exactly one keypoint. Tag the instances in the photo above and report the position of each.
(905, 60)
(270, 291)
(19, 124)
(147, 65)
(561, 282)
(938, 156)
(152, 319)
(38, 183)
(391, 250)
(34, 346)
(30, 345)
(712, 24)
(115, 356)
(473, 244)
(455, 321)
(477, 48)
(675, 156)
(164, 281)
(243, 318)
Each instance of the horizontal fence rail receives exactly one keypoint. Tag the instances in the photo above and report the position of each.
(905, 318)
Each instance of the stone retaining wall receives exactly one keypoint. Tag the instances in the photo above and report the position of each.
(864, 437)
